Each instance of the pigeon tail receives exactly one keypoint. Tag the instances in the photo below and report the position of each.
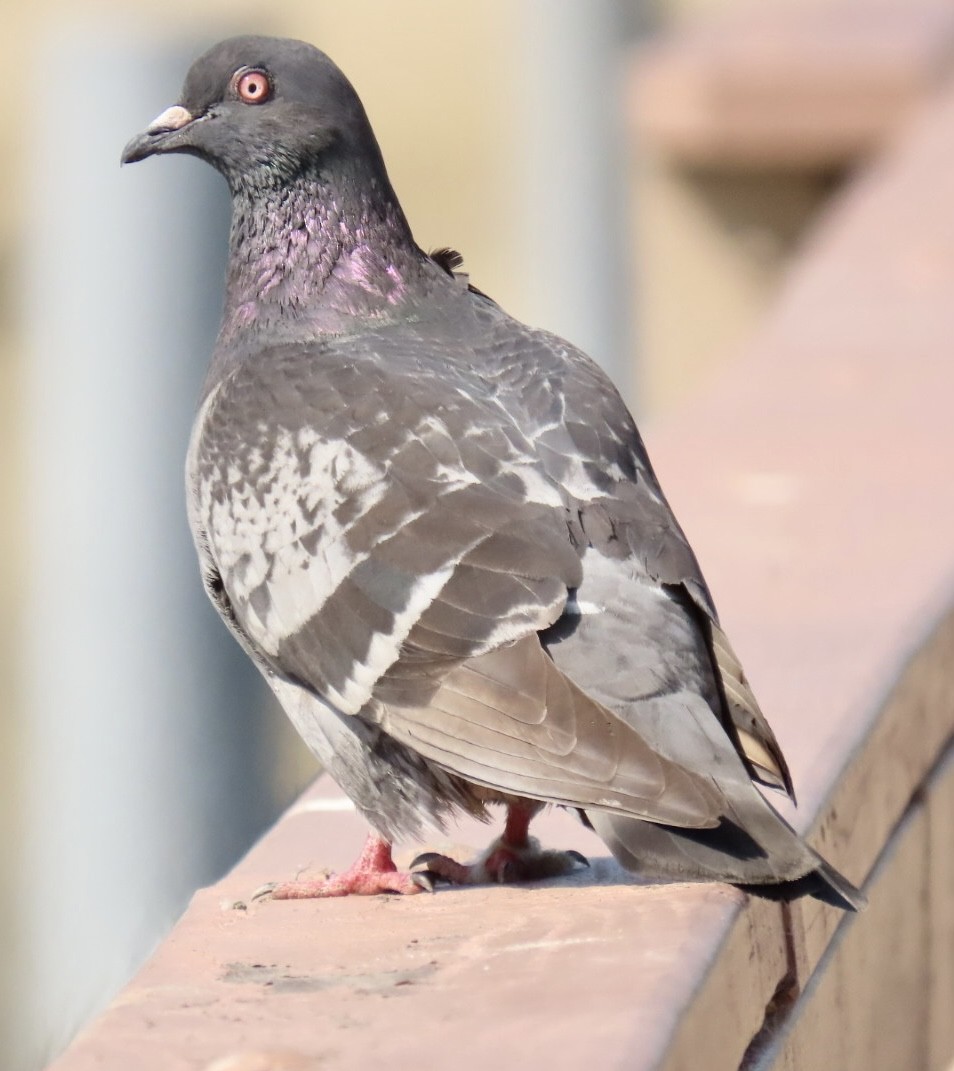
(767, 858)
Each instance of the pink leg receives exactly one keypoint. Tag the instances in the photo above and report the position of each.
(373, 872)
(513, 856)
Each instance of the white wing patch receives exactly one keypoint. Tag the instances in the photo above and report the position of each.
(578, 481)
(537, 488)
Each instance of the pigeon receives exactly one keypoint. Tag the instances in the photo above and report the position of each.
(436, 531)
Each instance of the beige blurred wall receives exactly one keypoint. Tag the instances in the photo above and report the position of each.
(711, 251)
(713, 238)
(710, 248)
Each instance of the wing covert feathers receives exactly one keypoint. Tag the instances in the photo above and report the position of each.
(510, 720)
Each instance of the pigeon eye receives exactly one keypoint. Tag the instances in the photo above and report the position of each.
(252, 86)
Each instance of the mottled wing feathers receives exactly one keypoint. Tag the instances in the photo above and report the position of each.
(414, 527)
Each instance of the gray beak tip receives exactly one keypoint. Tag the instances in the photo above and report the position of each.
(155, 136)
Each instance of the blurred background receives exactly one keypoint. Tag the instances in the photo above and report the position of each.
(633, 175)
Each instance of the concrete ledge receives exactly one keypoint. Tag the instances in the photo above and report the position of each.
(791, 85)
(815, 480)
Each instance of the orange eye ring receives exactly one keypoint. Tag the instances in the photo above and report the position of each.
(252, 85)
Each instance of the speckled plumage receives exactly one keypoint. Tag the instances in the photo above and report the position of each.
(436, 530)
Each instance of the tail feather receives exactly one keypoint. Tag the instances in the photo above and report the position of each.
(836, 889)
(825, 884)
(765, 855)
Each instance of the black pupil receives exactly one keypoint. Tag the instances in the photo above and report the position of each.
(252, 88)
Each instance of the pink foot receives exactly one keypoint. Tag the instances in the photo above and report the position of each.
(515, 856)
(372, 873)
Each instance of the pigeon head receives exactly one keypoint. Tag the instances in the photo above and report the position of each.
(318, 235)
(263, 110)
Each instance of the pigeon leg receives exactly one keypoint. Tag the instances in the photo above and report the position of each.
(513, 856)
(373, 872)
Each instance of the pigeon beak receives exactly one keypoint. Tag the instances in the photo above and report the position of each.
(159, 136)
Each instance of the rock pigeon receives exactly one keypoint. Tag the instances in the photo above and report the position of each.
(437, 533)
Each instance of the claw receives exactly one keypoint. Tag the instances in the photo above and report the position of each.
(423, 879)
(424, 859)
(264, 892)
(501, 863)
